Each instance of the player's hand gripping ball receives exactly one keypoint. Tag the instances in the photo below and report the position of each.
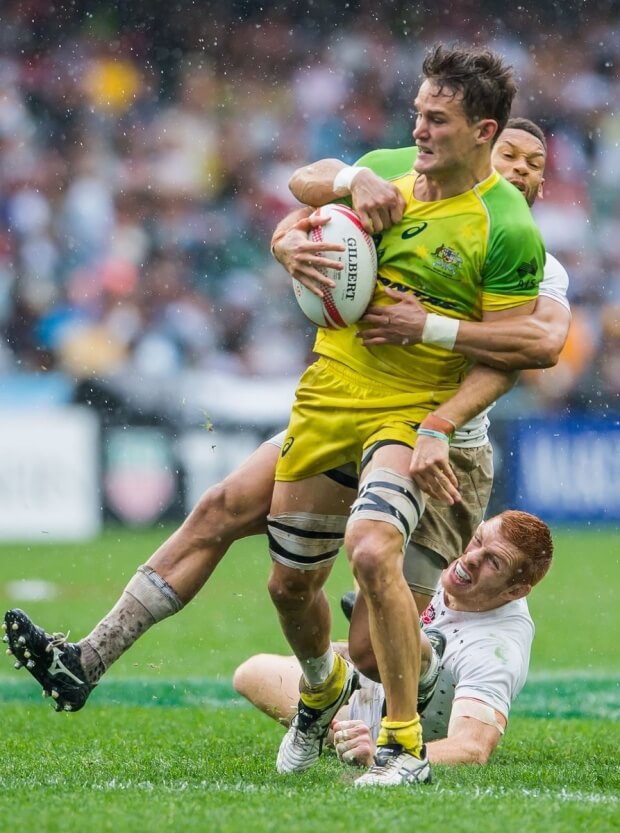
(355, 283)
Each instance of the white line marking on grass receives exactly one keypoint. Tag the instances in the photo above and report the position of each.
(490, 792)
(523, 792)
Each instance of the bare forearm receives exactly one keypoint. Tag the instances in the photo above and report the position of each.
(355, 746)
(511, 342)
(526, 342)
(481, 387)
(430, 462)
(456, 751)
(314, 183)
(471, 742)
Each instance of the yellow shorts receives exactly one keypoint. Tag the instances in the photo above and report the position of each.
(338, 413)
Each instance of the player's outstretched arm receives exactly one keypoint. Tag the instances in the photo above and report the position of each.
(469, 741)
(482, 386)
(430, 464)
(532, 341)
(378, 203)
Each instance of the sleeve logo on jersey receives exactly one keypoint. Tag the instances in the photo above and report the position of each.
(525, 270)
(446, 260)
(287, 446)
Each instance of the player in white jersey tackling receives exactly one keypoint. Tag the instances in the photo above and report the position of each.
(481, 611)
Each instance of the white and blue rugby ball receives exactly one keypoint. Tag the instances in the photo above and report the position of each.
(355, 283)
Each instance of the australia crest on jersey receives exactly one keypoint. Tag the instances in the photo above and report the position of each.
(446, 260)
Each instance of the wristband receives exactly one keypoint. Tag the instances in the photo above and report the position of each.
(437, 435)
(344, 180)
(440, 330)
(434, 422)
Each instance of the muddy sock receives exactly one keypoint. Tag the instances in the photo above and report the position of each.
(147, 599)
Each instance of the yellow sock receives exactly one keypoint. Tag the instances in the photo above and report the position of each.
(407, 734)
(327, 692)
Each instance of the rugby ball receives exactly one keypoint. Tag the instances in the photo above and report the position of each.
(355, 283)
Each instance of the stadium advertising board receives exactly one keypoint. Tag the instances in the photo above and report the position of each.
(208, 458)
(49, 477)
(566, 470)
(140, 481)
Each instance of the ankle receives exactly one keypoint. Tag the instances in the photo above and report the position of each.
(317, 670)
(318, 697)
(407, 734)
(93, 666)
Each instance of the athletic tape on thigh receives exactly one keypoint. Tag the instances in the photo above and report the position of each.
(388, 496)
(465, 707)
(305, 541)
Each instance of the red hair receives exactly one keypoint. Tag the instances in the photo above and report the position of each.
(533, 538)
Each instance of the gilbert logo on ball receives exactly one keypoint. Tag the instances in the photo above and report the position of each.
(355, 283)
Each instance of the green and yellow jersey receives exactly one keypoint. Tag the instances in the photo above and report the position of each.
(475, 252)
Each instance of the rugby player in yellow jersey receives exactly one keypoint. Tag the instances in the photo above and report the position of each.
(456, 250)
(519, 155)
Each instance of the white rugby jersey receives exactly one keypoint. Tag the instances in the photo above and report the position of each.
(486, 658)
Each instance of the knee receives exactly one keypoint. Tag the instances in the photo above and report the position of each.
(245, 676)
(219, 515)
(211, 506)
(369, 556)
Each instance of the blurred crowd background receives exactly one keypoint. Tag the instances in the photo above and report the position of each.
(145, 150)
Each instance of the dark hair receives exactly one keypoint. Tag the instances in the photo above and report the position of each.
(533, 538)
(520, 123)
(486, 83)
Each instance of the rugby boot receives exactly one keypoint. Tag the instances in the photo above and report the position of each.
(347, 603)
(302, 745)
(394, 767)
(52, 661)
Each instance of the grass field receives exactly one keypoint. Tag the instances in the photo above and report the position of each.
(164, 745)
